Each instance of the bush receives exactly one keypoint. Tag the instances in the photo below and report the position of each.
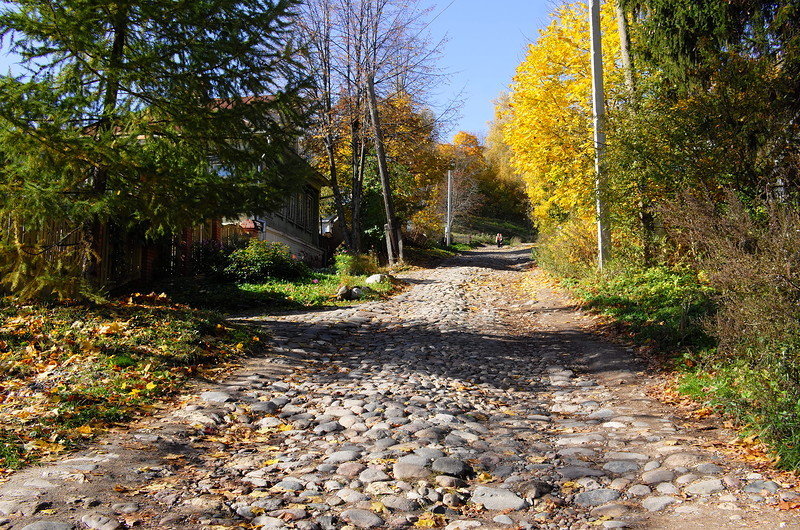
(211, 258)
(260, 261)
(750, 254)
(356, 264)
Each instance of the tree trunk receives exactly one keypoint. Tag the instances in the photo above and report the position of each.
(358, 196)
(97, 228)
(625, 49)
(394, 238)
(337, 192)
(646, 218)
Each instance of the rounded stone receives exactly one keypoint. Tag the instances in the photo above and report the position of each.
(596, 497)
(362, 518)
(656, 504)
(451, 466)
(620, 467)
(705, 487)
(497, 499)
(656, 476)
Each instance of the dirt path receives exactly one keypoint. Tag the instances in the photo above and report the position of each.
(461, 403)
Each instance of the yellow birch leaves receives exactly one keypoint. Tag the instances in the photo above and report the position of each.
(549, 129)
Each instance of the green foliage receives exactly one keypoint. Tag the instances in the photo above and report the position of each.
(30, 272)
(661, 306)
(143, 114)
(356, 264)
(749, 255)
(765, 401)
(211, 258)
(568, 250)
(260, 261)
(316, 289)
(12, 451)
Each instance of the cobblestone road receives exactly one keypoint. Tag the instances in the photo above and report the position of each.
(461, 403)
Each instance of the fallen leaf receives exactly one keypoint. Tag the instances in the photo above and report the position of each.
(85, 430)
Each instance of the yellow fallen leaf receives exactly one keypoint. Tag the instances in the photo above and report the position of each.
(429, 520)
(108, 329)
(271, 462)
(150, 386)
(85, 430)
(260, 494)
(378, 507)
(484, 477)
(285, 427)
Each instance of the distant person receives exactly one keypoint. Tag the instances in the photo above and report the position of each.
(499, 239)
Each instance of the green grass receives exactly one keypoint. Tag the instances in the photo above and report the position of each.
(317, 289)
(764, 402)
(12, 451)
(660, 306)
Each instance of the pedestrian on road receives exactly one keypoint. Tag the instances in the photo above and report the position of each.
(499, 239)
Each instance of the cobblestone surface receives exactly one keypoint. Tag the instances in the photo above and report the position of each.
(460, 403)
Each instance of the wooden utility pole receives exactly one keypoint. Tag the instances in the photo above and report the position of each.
(394, 239)
(599, 111)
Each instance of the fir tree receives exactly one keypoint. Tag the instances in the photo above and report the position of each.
(149, 113)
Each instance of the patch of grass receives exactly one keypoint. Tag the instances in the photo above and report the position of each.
(316, 289)
(660, 306)
(320, 288)
(12, 451)
(68, 371)
(426, 256)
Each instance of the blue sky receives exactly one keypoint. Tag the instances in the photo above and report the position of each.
(487, 40)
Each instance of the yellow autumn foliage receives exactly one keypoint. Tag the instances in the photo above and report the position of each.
(549, 129)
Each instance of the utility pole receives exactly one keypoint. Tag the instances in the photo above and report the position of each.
(448, 231)
(599, 108)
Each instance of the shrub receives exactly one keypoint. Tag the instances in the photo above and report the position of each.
(356, 264)
(211, 258)
(260, 261)
(750, 254)
(662, 305)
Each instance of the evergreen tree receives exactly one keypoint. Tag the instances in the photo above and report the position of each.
(148, 113)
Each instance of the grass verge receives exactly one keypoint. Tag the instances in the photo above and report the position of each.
(659, 307)
(69, 371)
(318, 289)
